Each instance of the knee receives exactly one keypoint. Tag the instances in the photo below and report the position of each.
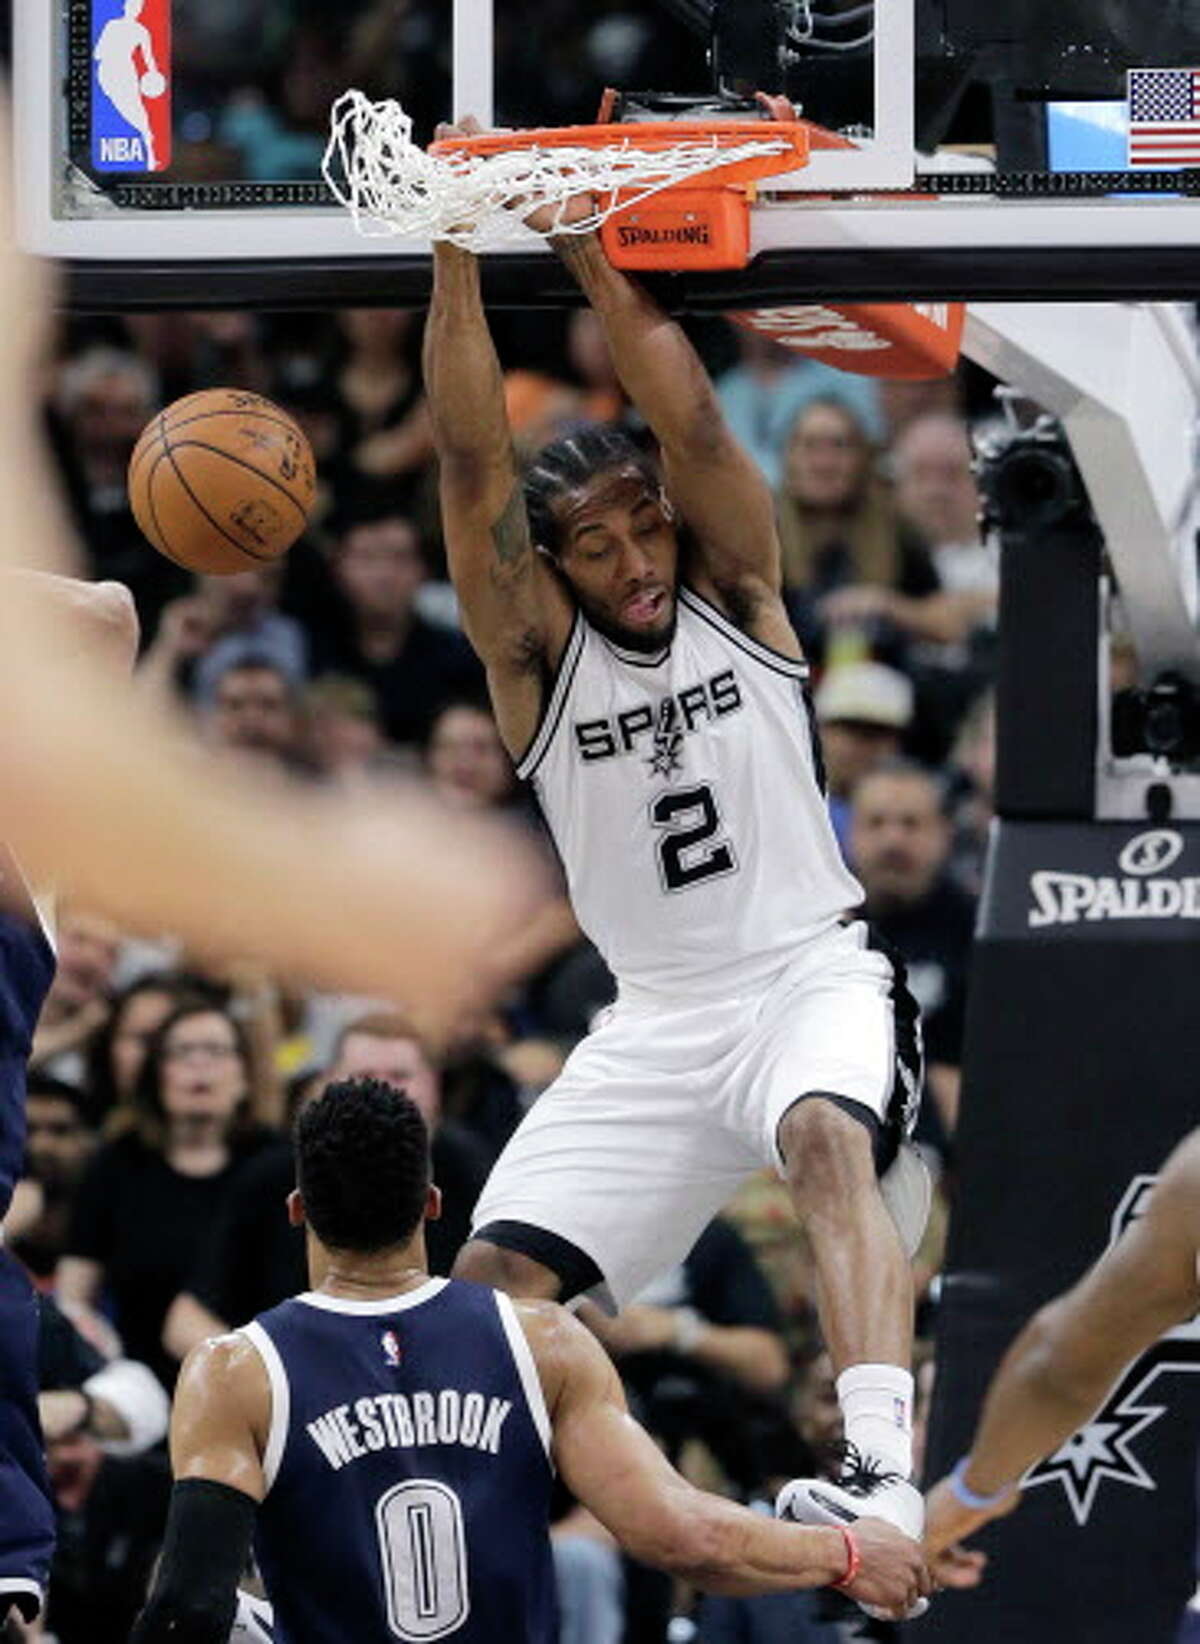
(828, 1152)
(484, 1263)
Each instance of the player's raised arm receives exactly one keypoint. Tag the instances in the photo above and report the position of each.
(615, 1469)
(723, 496)
(1061, 1366)
(515, 615)
(218, 1428)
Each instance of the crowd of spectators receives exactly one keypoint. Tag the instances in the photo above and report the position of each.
(163, 1084)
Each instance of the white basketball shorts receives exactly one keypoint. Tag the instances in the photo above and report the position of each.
(668, 1105)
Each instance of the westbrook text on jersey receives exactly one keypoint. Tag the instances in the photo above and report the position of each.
(398, 1421)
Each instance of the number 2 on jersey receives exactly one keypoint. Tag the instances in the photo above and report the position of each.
(424, 1554)
(691, 847)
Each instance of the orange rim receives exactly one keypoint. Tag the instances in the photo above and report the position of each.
(653, 137)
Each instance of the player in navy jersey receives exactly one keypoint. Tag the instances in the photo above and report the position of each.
(26, 1512)
(97, 619)
(648, 681)
(389, 1440)
(1060, 1369)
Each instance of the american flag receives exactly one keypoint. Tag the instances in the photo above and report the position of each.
(1164, 117)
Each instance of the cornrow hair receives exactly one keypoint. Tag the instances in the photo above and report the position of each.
(570, 463)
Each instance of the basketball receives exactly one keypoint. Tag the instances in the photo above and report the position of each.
(222, 481)
(153, 84)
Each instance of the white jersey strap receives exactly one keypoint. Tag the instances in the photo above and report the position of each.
(527, 1369)
(791, 667)
(281, 1398)
(557, 701)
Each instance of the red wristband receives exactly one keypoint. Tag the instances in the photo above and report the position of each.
(853, 1560)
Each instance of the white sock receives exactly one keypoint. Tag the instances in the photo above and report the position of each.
(877, 1403)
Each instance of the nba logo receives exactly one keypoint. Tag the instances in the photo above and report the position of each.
(391, 1349)
(131, 85)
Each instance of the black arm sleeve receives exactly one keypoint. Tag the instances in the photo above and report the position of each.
(194, 1598)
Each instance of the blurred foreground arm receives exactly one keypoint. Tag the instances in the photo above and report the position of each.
(389, 898)
(95, 620)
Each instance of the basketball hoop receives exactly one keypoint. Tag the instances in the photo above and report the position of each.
(476, 192)
(665, 195)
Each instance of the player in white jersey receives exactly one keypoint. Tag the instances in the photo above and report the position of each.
(646, 677)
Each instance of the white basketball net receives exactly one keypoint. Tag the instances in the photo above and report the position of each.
(391, 186)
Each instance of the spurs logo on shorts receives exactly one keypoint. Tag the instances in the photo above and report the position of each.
(911, 1100)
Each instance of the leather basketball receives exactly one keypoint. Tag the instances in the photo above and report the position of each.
(222, 481)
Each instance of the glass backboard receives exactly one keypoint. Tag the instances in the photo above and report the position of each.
(169, 150)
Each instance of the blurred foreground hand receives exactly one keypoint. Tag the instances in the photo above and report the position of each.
(102, 796)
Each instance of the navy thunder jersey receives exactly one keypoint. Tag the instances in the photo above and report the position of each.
(408, 1470)
(26, 1513)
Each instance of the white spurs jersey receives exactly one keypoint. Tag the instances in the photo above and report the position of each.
(683, 791)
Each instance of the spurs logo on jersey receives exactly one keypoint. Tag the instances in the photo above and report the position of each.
(667, 757)
(684, 796)
(657, 732)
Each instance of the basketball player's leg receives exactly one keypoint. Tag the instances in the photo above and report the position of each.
(823, 1076)
(609, 1180)
(829, 1148)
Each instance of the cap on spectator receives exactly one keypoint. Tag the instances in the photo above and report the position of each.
(865, 693)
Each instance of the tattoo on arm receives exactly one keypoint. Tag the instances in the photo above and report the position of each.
(510, 533)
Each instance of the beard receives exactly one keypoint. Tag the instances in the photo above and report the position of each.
(893, 886)
(646, 641)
